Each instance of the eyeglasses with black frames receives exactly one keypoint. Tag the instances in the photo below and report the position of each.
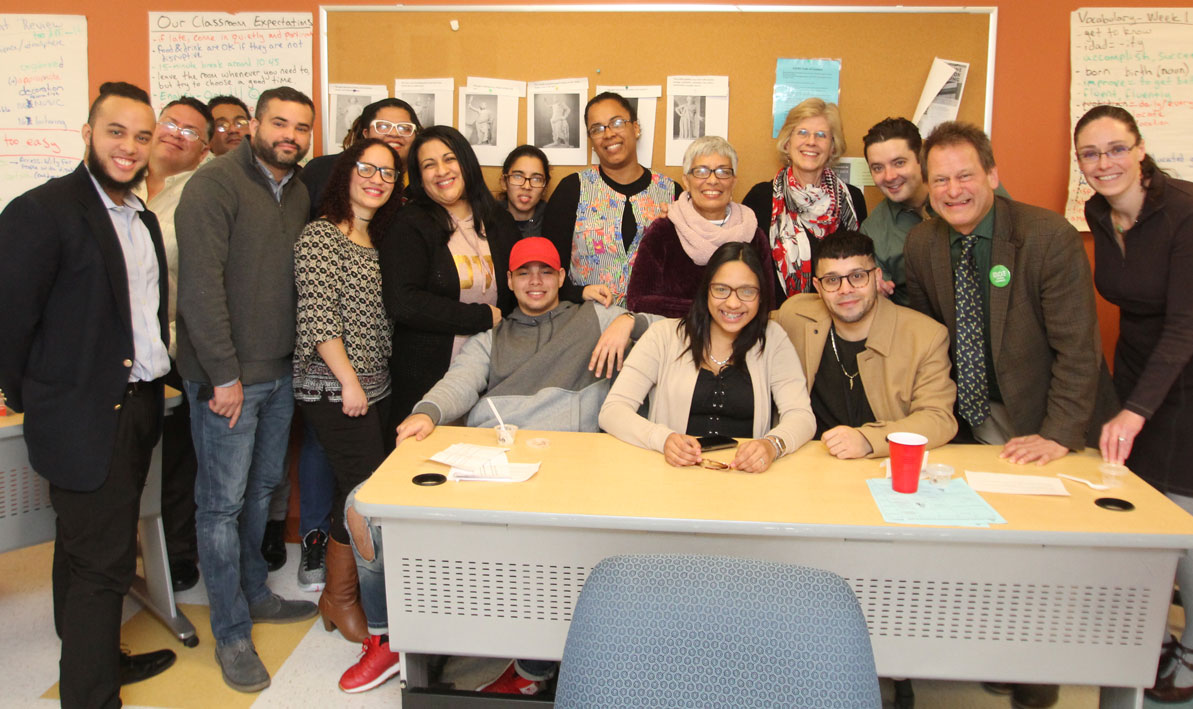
(857, 279)
(368, 169)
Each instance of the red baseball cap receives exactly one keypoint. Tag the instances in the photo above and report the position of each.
(533, 248)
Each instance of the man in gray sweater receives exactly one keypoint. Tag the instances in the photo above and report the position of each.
(538, 366)
(237, 221)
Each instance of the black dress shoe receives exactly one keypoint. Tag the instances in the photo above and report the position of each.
(184, 574)
(134, 668)
(273, 546)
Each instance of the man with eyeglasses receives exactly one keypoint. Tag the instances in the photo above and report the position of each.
(231, 123)
(872, 367)
(180, 142)
(237, 222)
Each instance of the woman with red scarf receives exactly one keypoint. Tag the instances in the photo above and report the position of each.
(806, 201)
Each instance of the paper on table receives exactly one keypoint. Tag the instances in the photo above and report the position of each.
(1015, 484)
(953, 505)
(496, 471)
(468, 456)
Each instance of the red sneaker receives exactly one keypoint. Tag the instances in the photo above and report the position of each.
(376, 665)
(510, 682)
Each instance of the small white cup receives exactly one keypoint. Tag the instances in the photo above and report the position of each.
(506, 434)
(1113, 475)
(939, 474)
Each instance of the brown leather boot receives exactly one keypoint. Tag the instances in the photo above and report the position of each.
(340, 602)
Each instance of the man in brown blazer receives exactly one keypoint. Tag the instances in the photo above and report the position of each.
(1012, 283)
(872, 367)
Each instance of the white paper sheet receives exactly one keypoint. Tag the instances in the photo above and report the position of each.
(554, 119)
(696, 106)
(941, 97)
(344, 104)
(43, 101)
(645, 99)
(1015, 484)
(206, 54)
(430, 98)
(489, 463)
(489, 117)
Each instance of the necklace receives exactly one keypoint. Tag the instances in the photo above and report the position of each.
(833, 338)
(718, 362)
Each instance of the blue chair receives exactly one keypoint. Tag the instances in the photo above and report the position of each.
(665, 630)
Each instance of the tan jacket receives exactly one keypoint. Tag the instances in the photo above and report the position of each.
(904, 368)
(659, 367)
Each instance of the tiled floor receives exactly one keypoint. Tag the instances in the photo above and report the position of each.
(29, 652)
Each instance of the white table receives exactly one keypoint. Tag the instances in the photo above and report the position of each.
(1065, 592)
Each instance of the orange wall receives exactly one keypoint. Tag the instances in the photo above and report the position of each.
(1031, 76)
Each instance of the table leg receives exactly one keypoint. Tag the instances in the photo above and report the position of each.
(1121, 698)
(155, 590)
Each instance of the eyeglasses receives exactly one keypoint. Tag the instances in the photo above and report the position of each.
(368, 169)
(804, 133)
(700, 172)
(1089, 156)
(223, 125)
(188, 134)
(857, 279)
(597, 129)
(518, 179)
(746, 294)
(711, 464)
(402, 130)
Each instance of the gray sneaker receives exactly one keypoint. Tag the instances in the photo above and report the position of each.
(312, 572)
(242, 669)
(276, 609)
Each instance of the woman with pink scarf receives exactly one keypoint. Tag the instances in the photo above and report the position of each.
(674, 250)
(806, 201)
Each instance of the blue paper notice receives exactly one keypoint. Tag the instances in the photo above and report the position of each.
(799, 79)
(954, 505)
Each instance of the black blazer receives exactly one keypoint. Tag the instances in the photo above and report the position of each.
(421, 289)
(67, 325)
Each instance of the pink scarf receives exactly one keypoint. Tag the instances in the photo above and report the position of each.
(700, 237)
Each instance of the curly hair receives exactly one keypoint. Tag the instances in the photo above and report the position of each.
(336, 206)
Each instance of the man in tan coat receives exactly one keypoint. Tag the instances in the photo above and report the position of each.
(872, 367)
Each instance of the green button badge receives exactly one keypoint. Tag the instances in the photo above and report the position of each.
(1000, 275)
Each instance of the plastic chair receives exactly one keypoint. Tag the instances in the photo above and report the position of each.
(704, 631)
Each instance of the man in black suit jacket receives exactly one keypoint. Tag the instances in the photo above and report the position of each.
(83, 282)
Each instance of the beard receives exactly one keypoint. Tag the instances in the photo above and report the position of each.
(96, 167)
(268, 154)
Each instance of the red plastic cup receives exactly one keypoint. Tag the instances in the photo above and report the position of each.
(907, 458)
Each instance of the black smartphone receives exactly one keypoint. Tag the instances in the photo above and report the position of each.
(715, 443)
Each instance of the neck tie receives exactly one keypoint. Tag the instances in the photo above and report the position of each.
(973, 396)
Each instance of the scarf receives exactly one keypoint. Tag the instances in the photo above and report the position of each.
(700, 237)
(800, 213)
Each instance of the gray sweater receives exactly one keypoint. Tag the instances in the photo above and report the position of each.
(533, 368)
(236, 295)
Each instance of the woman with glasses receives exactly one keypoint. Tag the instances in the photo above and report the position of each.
(806, 201)
(391, 120)
(444, 264)
(597, 217)
(1142, 225)
(524, 178)
(675, 248)
(717, 371)
(341, 353)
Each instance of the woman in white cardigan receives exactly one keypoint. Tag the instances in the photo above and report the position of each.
(719, 370)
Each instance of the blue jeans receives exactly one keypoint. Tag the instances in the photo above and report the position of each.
(316, 484)
(371, 574)
(238, 471)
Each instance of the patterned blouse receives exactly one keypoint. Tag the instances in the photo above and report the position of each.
(599, 254)
(339, 295)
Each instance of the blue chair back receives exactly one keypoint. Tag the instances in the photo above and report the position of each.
(672, 631)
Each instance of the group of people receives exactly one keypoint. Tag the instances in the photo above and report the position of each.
(386, 291)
